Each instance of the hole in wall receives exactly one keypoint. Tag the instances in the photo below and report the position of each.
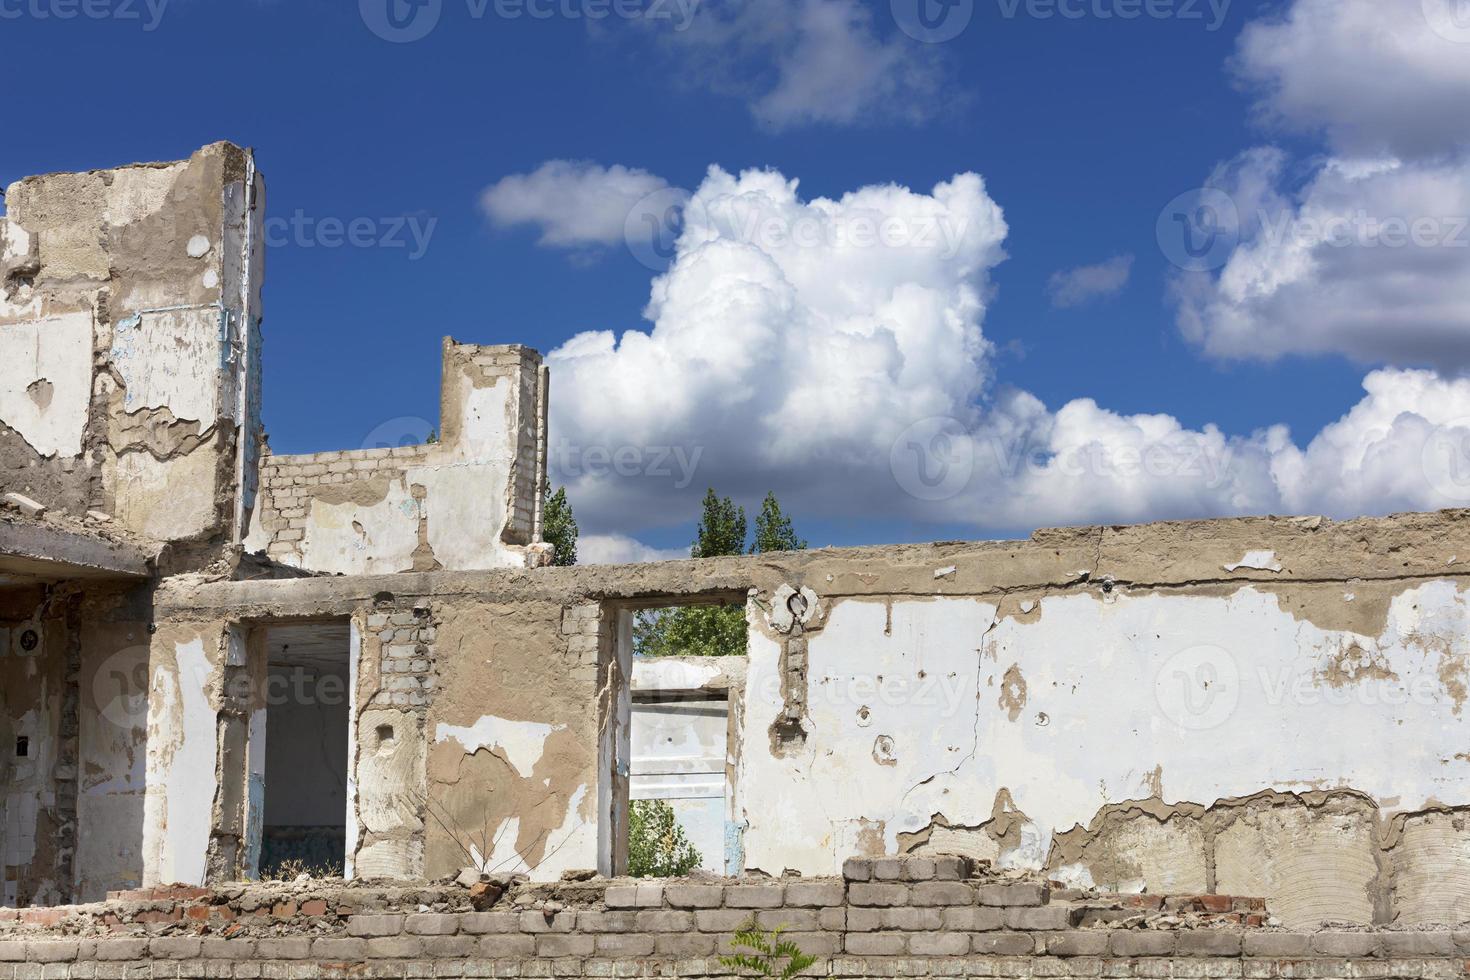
(385, 736)
(22, 747)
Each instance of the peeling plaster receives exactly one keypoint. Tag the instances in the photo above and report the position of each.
(522, 743)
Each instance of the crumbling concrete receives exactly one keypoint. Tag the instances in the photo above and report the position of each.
(1261, 706)
(468, 500)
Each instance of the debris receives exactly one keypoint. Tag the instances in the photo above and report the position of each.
(25, 504)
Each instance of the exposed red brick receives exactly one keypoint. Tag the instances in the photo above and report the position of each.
(284, 910)
(316, 906)
(1215, 903)
(198, 913)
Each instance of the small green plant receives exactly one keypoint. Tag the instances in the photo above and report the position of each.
(657, 847)
(765, 953)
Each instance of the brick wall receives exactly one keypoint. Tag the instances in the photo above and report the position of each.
(887, 917)
(289, 483)
(398, 498)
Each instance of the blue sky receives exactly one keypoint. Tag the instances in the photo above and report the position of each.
(1083, 128)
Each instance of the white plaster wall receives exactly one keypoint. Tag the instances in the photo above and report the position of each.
(182, 781)
(168, 499)
(172, 359)
(363, 539)
(1196, 698)
(46, 384)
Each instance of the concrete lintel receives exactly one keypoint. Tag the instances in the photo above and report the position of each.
(37, 551)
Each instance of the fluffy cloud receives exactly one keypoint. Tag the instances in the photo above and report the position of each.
(1369, 259)
(1368, 254)
(574, 203)
(619, 549)
(1076, 287)
(1379, 77)
(833, 351)
(800, 62)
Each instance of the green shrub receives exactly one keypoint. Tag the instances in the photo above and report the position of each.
(657, 847)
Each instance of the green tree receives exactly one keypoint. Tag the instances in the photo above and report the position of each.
(559, 527)
(714, 631)
(721, 528)
(773, 530)
(657, 847)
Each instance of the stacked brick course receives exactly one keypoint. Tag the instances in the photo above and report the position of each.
(887, 918)
(288, 484)
(406, 657)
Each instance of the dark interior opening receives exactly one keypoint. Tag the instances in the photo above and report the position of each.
(307, 721)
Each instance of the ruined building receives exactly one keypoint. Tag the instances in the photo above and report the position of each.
(213, 658)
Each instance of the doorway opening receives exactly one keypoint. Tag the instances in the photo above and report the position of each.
(308, 696)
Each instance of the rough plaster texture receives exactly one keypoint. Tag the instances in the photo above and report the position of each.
(128, 300)
(1111, 705)
(467, 501)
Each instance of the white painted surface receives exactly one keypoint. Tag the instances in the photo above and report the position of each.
(171, 359)
(1115, 693)
(46, 384)
(355, 539)
(181, 769)
(521, 743)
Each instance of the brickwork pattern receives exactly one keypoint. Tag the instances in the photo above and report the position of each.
(408, 672)
(889, 918)
(288, 484)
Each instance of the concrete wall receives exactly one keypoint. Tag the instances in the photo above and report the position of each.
(468, 501)
(129, 339)
(1130, 708)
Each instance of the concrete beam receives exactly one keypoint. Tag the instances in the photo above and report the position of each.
(34, 551)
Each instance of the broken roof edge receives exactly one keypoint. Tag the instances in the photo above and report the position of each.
(46, 549)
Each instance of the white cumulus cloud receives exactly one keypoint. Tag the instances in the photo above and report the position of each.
(1076, 287)
(574, 203)
(1364, 252)
(832, 350)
